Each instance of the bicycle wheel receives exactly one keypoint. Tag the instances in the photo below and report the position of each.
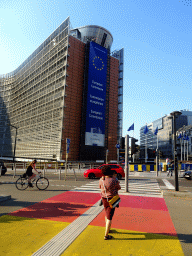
(42, 183)
(21, 183)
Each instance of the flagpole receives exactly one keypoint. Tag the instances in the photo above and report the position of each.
(145, 148)
(145, 132)
(157, 164)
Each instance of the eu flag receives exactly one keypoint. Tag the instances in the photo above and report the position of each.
(146, 130)
(156, 131)
(131, 127)
(180, 136)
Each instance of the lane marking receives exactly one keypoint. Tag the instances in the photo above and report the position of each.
(138, 187)
(168, 184)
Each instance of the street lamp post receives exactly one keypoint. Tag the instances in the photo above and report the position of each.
(14, 144)
(126, 163)
(174, 115)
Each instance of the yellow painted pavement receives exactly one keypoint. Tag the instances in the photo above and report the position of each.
(24, 236)
(125, 242)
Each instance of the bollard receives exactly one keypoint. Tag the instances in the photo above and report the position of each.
(0, 170)
(14, 167)
(80, 167)
(75, 175)
(60, 173)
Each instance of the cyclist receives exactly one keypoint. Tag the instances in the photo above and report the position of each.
(29, 172)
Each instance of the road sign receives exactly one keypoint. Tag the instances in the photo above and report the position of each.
(117, 146)
(68, 148)
(68, 144)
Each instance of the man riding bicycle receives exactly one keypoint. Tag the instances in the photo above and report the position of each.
(29, 172)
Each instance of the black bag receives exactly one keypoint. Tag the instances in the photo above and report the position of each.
(24, 175)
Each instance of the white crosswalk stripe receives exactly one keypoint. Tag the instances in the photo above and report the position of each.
(140, 187)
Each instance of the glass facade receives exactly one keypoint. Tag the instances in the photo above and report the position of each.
(32, 100)
(165, 131)
(97, 34)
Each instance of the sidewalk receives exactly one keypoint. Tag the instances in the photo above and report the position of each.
(73, 222)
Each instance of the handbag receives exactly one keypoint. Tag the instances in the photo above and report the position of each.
(114, 201)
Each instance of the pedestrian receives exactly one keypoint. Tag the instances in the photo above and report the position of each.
(170, 168)
(109, 186)
(103, 177)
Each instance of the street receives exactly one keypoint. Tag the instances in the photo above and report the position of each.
(20, 199)
(140, 184)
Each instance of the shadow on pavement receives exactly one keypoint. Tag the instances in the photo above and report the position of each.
(143, 236)
(15, 203)
(148, 236)
(185, 238)
(48, 209)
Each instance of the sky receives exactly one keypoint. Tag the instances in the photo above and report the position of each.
(155, 34)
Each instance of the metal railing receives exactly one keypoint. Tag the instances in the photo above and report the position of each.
(75, 169)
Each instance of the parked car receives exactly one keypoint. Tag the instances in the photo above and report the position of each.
(187, 174)
(3, 168)
(96, 172)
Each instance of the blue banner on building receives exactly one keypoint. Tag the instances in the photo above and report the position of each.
(96, 96)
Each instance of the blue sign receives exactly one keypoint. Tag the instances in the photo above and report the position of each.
(96, 96)
(117, 146)
(68, 144)
(67, 148)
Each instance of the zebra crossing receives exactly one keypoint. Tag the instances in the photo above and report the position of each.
(138, 187)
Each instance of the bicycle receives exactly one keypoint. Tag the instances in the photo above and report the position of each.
(41, 182)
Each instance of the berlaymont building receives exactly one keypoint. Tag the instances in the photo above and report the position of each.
(71, 87)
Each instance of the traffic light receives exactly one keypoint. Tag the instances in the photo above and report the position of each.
(122, 143)
(133, 146)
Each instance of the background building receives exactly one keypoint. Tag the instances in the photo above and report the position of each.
(51, 96)
(165, 137)
(184, 143)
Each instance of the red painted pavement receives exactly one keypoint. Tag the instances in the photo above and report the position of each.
(153, 203)
(137, 213)
(65, 207)
(140, 214)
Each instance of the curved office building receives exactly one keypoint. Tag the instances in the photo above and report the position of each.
(44, 101)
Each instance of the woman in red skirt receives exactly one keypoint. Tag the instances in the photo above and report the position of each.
(109, 186)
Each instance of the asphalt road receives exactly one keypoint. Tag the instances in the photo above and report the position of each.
(21, 199)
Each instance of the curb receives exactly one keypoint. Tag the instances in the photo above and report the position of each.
(4, 198)
(176, 193)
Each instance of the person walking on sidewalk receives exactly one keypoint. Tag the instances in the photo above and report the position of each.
(109, 188)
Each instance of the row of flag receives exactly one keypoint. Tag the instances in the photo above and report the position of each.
(145, 129)
(184, 137)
